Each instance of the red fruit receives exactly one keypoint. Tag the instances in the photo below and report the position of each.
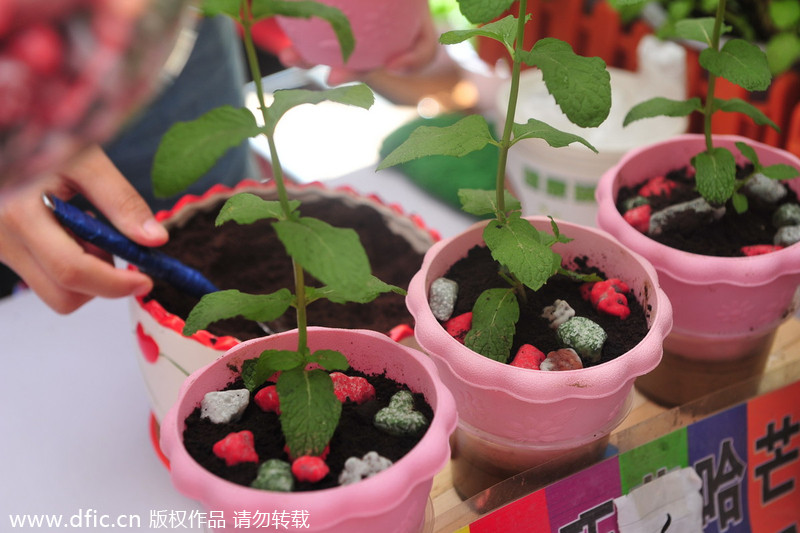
(353, 388)
(528, 356)
(309, 468)
(459, 326)
(236, 448)
(267, 399)
(40, 47)
(639, 217)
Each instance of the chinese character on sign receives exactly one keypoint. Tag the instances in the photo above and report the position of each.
(722, 486)
(775, 443)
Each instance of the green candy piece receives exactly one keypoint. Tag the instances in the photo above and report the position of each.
(275, 475)
(400, 418)
(584, 336)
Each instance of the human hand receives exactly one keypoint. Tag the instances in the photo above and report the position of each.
(422, 52)
(63, 271)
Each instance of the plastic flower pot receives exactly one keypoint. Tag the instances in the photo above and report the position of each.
(167, 356)
(726, 308)
(513, 419)
(383, 30)
(391, 501)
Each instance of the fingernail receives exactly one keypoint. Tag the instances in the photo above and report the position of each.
(153, 229)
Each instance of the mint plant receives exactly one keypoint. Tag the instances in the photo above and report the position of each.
(581, 87)
(739, 62)
(335, 257)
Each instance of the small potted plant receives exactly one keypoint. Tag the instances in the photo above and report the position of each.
(728, 303)
(298, 385)
(513, 414)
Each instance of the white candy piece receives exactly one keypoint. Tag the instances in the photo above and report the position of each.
(442, 298)
(558, 313)
(356, 469)
(787, 235)
(221, 407)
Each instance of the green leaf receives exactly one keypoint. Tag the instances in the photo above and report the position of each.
(332, 255)
(783, 51)
(482, 11)
(307, 9)
(662, 107)
(697, 29)
(494, 319)
(536, 129)
(517, 245)
(246, 208)
(739, 202)
(189, 149)
(484, 202)
(468, 135)
(739, 62)
(231, 303)
(256, 372)
(580, 85)
(503, 30)
(358, 95)
(715, 175)
(212, 8)
(371, 289)
(737, 105)
(749, 153)
(330, 360)
(780, 171)
(309, 410)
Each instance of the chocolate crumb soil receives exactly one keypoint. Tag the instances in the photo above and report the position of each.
(722, 238)
(477, 271)
(250, 258)
(354, 437)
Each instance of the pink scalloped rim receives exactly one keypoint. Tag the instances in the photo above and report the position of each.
(224, 343)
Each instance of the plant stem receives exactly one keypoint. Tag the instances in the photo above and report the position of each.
(277, 172)
(712, 79)
(505, 141)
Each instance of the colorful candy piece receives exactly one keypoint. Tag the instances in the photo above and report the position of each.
(558, 313)
(274, 474)
(760, 249)
(400, 417)
(608, 297)
(657, 186)
(221, 407)
(528, 356)
(786, 215)
(787, 235)
(639, 217)
(765, 189)
(400, 332)
(356, 469)
(442, 298)
(353, 388)
(236, 447)
(563, 359)
(459, 326)
(309, 468)
(705, 212)
(267, 399)
(584, 336)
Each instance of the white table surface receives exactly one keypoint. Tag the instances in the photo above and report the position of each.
(74, 417)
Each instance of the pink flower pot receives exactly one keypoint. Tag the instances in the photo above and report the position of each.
(382, 29)
(512, 419)
(726, 308)
(167, 355)
(393, 500)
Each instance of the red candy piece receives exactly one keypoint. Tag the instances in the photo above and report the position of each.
(639, 217)
(615, 305)
(398, 333)
(459, 326)
(528, 356)
(657, 186)
(609, 297)
(267, 399)
(353, 388)
(236, 448)
(760, 249)
(309, 468)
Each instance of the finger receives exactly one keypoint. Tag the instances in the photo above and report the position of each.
(94, 175)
